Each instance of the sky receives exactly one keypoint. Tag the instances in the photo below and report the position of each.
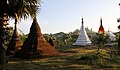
(65, 15)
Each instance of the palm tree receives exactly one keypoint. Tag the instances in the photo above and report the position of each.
(16, 9)
(19, 8)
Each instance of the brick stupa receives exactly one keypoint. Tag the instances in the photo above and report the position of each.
(36, 43)
(15, 42)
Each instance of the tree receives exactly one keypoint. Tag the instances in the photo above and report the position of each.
(15, 9)
(19, 8)
(118, 47)
(118, 20)
(101, 41)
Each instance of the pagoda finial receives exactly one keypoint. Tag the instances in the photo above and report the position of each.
(101, 21)
(82, 21)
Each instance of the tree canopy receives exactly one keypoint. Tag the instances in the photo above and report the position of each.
(23, 8)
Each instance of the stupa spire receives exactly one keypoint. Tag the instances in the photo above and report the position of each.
(82, 22)
(101, 21)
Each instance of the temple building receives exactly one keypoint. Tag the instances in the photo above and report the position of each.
(83, 39)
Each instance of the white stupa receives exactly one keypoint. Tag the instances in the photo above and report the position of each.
(111, 36)
(83, 39)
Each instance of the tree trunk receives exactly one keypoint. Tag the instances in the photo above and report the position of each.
(2, 55)
(118, 47)
(98, 51)
(119, 41)
(2, 50)
(2, 47)
(3, 38)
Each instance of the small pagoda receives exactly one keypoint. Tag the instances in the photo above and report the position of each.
(83, 39)
(15, 43)
(36, 44)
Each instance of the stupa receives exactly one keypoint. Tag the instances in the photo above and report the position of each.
(101, 28)
(36, 44)
(83, 39)
(15, 42)
(112, 37)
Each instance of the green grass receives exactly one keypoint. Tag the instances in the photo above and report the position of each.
(73, 59)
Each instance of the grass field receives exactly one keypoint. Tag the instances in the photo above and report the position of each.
(70, 59)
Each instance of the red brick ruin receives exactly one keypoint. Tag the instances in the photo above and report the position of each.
(36, 43)
(15, 42)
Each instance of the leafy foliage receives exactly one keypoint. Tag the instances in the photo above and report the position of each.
(23, 8)
(23, 37)
(118, 20)
(101, 40)
(67, 39)
(119, 27)
(118, 47)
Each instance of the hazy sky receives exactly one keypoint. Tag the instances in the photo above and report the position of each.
(65, 15)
